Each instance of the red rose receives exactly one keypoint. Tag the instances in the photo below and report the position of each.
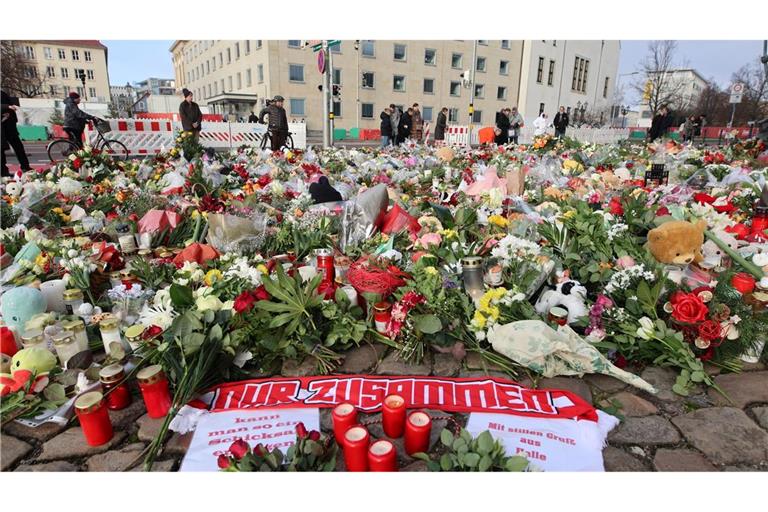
(710, 330)
(629, 165)
(112, 215)
(689, 309)
(301, 430)
(151, 331)
(261, 293)
(676, 296)
(620, 361)
(264, 180)
(703, 198)
(77, 163)
(259, 450)
(244, 302)
(238, 449)
(314, 435)
(614, 206)
(662, 211)
(223, 462)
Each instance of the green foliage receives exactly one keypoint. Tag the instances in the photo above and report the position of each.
(152, 274)
(465, 453)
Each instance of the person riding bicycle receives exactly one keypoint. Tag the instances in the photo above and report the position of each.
(278, 122)
(75, 119)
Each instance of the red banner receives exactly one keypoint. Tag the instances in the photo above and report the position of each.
(366, 393)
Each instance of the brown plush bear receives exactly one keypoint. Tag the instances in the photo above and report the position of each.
(677, 242)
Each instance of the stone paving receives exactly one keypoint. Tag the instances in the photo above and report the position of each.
(665, 432)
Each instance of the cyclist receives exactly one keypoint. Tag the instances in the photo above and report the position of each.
(75, 119)
(278, 122)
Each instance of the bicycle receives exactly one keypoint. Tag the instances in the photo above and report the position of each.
(266, 141)
(61, 148)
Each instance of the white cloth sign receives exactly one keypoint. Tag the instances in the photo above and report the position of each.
(549, 444)
(215, 432)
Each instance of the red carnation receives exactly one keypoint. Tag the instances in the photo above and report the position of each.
(261, 293)
(614, 206)
(301, 430)
(244, 302)
(739, 230)
(223, 462)
(710, 330)
(238, 449)
(133, 217)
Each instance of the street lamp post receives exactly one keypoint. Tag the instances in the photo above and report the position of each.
(618, 81)
(357, 89)
(624, 110)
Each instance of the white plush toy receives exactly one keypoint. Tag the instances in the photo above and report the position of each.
(569, 294)
(713, 255)
(13, 188)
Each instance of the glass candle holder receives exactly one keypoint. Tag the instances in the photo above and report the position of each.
(77, 327)
(73, 299)
(94, 419)
(115, 388)
(382, 456)
(154, 388)
(66, 346)
(110, 333)
(382, 313)
(472, 275)
(417, 430)
(33, 338)
(393, 416)
(344, 416)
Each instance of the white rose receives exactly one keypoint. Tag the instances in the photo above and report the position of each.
(646, 329)
(208, 302)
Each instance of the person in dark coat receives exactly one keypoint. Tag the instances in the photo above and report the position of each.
(660, 123)
(561, 123)
(190, 115)
(442, 122)
(322, 191)
(502, 126)
(10, 134)
(386, 127)
(253, 118)
(75, 119)
(404, 126)
(278, 122)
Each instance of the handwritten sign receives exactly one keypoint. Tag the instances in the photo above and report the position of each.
(215, 432)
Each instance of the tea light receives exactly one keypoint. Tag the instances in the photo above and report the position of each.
(94, 418)
(344, 416)
(558, 315)
(356, 441)
(382, 456)
(393, 416)
(417, 430)
(53, 291)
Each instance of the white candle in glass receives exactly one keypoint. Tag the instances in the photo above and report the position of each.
(53, 291)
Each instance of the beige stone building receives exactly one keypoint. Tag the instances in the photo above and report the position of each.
(60, 64)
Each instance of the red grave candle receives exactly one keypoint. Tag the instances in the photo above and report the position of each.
(116, 391)
(94, 419)
(344, 416)
(417, 430)
(393, 416)
(154, 389)
(356, 441)
(381, 316)
(743, 283)
(382, 456)
(760, 222)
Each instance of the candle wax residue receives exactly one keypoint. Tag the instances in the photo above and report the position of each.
(355, 434)
(419, 419)
(381, 447)
(344, 409)
(394, 401)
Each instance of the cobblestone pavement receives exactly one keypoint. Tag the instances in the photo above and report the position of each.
(665, 432)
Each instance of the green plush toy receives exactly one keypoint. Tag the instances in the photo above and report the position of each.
(27, 363)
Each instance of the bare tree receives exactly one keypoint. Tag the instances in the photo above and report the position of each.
(658, 81)
(754, 100)
(713, 103)
(19, 75)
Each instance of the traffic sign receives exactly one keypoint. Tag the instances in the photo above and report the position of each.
(735, 98)
(737, 88)
(321, 62)
(318, 45)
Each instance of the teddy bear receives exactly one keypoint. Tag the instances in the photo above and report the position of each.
(677, 242)
(28, 363)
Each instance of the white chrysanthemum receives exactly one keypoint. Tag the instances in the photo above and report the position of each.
(159, 315)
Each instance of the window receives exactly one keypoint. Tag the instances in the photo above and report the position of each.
(481, 64)
(213, 61)
(477, 116)
(260, 73)
(366, 110)
(580, 73)
(297, 106)
(456, 60)
(50, 72)
(429, 86)
(92, 92)
(541, 108)
(239, 80)
(48, 53)
(605, 87)
(368, 80)
(296, 72)
(399, 53)
(62, 54)
(479, 91)
(430, 57)
(505, 44)
(247, 46)
(87, 55)
(398, 83)
(237, 50)
(551, 75)
(223, 90)
(336, 48)
(336, 76)
(336, 109)
(369, 49)
(504, 67)
(89, 73)
(208, 67)
(75, 55)
(215, 88)
(426, 113)
(540, 70)
(28, 52)
(30, 71)
(209, 91)
(482, 42)
(229, 83)
(221, 59)
(81, 91)
(294, 43)
(229, 55)
(248, 78)
(455, 88)
(258, 43)
(78, 71)
(52, 90)
(501, 93)
(453, 115)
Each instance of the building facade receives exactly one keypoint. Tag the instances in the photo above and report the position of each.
(59, 65)
(685, 86)
(236, 77)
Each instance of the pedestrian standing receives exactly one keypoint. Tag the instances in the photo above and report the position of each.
(688, 129)
(660, 124)
(404, 126)
(10, 133)
(278, 122)
(561, 123)
(540, 125)
(190, 115)
(394, 117)
(516, 124)
(417, 123)
(502, 127)
(253, 118)
(442, 122)
(386, 127)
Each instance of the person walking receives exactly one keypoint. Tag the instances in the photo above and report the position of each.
(278, 122)
(502, 127)
(75, 119)
(404, 126)
(442, 122)
(659, 124)
(516, 122)
(540, 125)
(561, 123)
(190, 115)
(10, 133)
(386, 127)
(394, 117)
(417, 123)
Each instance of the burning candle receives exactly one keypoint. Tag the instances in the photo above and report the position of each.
(393, 416)
(154, 389)
(382, 456)
(417, 430)
(53, 291)
(344, 416)
(743, 283)
(356, 441)
(94, 418)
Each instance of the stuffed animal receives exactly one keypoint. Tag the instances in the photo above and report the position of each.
(27, 363)
(19, 304)
(713, 254)
(677, 242)
(13, 188)
(568, 294)
(445, 154)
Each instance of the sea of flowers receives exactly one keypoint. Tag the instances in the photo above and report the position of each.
(221, 267)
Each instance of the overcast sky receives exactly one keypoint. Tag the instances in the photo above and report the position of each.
(137, 60)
